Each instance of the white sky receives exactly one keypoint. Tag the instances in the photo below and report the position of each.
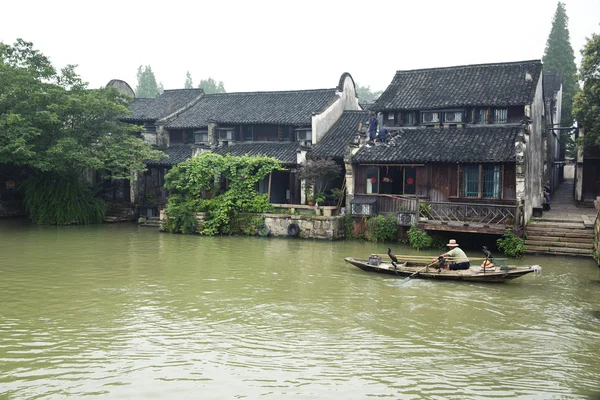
(286, 45)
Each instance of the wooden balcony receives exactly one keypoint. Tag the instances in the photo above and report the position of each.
(446, 216)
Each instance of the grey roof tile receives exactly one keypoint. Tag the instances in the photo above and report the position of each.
(285, 107)
(177, 153)
(283, 151)
(500, 84)
(431, 145)
(165, 104)
(333, 143)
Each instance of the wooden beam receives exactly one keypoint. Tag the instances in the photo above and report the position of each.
(269, 190)
(468, 229)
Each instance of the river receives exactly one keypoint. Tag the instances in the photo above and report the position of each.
(124, 312)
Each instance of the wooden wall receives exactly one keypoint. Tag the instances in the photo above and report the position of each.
(439, 183)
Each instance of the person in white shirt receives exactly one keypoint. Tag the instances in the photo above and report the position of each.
(459, 258)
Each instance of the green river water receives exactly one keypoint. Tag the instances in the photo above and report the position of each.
(123, 312)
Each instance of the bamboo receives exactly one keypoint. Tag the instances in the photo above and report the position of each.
(409, 257)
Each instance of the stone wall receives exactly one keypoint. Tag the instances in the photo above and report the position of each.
(311, 227)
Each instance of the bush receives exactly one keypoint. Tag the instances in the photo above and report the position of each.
(512, 245)
(348, 223)
(419, 239)
(382, 229)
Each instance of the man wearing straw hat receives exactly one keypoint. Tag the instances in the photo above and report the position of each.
(460, 259)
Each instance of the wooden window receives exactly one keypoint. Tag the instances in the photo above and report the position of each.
(408, 118)
(480, 118)
(248, 133)
(491, 181)
(500, 115)
(286, 133)
(188, 137)
(481, 181)
(471, 180)
(176, 137)
(201, 137)
(372, 180)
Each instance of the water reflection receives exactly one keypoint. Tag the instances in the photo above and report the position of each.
(117, 311)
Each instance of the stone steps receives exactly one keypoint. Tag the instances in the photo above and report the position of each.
(559, 251)
(556, 238)
(152, 222)
(547, 243)
(560, 235)
(567, 233)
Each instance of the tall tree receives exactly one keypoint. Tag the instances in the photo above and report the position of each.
(559, 57)
(188, 81)
(365, 95)
(587, 102)
(53, 126)
(211, 86)
(146, 83)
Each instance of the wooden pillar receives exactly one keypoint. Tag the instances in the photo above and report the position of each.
(269, 189)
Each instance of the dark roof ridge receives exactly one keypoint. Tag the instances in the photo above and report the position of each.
(273, 91)
(172, 90)
(469, 66)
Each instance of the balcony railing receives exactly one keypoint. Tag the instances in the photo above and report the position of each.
(410, 209)
(466, 213)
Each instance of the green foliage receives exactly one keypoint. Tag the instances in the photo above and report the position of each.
(365, 95)
(419, 239)
(511, 244)
(211, 86)
(188, 81)
(146, 83)
(61, 200)
(180, 216)
(197, 185)
(424, 210)
(336, 195)
(318, 174)
(348, 224)
(382, 229)
(51, 122)
(587, 102)
(559, 57)
(247, 224)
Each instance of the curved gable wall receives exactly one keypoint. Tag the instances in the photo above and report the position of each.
(346, 100)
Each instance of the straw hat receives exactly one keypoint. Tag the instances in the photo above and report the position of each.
(452, 243)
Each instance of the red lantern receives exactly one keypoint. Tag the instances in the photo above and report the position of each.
(373, 180)
(410, 181)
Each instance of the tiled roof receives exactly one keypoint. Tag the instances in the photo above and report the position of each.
(333, 143)
(165, 104)
(290, 108)
(283, 151)
(502, 85)
(177, 153)
(552, 82)
(426, 145)
(365, 106)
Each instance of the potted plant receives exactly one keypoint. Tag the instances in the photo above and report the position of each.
(308, 192)
(319, 197)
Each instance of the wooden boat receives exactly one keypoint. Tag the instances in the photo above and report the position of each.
(474, 274)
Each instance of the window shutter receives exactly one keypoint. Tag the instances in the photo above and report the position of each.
(461, 184)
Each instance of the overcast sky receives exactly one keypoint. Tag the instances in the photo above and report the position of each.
(286, 45)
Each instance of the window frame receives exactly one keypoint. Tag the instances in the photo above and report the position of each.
(478, 170)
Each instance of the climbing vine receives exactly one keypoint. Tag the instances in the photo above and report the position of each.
(221, 186)
(61, 199)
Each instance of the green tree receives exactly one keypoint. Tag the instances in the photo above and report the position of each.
(365, 95)
(559, 57)
(211, 86)
(146, 83)
(188, 81)
(56, 128)
(587, 102)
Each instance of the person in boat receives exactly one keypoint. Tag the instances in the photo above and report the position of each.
(461, 261)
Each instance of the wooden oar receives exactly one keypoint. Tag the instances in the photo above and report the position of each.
(408, 278)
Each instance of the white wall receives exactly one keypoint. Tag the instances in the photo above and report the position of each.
(534, 155)
(347, 100)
